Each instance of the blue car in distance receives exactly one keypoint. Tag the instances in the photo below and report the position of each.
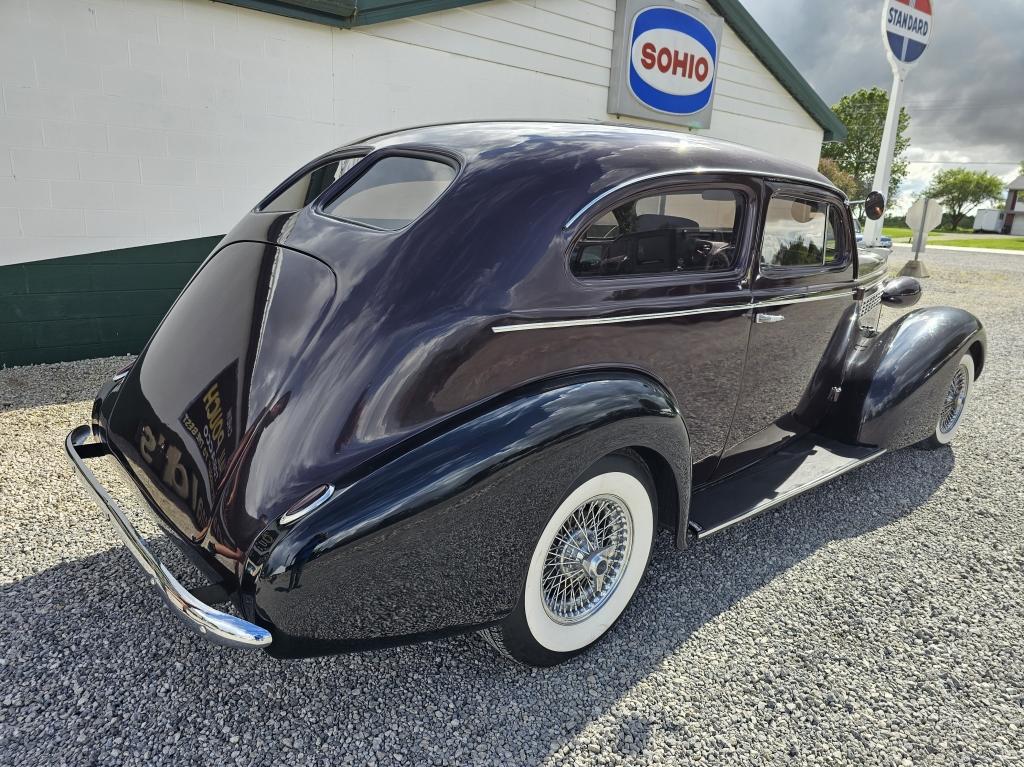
(884, 240)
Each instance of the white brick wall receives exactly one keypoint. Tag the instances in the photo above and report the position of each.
(129, 122)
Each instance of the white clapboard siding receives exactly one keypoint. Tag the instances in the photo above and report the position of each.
(531, 17)
(131, 123)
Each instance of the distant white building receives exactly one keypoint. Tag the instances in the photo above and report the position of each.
(1013, 214)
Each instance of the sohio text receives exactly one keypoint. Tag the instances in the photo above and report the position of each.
(672, 62)
(666, 59)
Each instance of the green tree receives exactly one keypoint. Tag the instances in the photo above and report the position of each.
(831, 170)
(863, 114)
(960, 189)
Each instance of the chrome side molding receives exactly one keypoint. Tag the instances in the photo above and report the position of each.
(670, 315)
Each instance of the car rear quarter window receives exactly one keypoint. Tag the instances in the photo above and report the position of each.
(392, 192)
(309, 186)
(668, 233)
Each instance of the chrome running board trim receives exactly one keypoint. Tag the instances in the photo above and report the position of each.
(785, 496)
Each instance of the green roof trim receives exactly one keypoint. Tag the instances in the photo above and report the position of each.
(350, 13)
(755, 38)
(356, 13)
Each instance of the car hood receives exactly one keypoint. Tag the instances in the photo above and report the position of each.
(215, 378)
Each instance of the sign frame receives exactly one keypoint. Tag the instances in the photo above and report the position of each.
(622, 100)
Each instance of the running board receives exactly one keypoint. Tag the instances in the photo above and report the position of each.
(806, 463)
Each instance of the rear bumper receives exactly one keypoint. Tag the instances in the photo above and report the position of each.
(216, 626)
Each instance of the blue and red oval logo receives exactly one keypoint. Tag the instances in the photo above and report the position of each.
(672, 62)
(908, 24)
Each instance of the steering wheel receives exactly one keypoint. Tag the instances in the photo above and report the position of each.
(720, 260)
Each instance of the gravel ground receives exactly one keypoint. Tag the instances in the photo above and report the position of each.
(877, 620)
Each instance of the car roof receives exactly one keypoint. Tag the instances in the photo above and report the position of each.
(623, 151)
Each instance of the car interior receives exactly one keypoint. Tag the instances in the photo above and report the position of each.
(662, 234)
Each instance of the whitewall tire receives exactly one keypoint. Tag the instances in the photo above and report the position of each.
(586, 564)
(953, 405)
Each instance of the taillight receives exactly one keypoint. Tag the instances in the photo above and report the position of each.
(123, 371)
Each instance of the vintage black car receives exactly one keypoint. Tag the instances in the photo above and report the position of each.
(456, 378)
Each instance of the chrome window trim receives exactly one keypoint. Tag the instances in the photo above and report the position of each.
(845, 293)
(575, 218)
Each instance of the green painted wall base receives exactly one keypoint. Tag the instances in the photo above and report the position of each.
(95, 305)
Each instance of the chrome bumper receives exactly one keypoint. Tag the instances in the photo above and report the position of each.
(216, 626)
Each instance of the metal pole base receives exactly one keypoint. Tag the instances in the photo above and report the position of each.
(914, 269)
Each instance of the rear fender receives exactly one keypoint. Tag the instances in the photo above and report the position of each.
(437, 537)
(895, 382)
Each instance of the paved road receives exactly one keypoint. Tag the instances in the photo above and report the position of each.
(875, 621)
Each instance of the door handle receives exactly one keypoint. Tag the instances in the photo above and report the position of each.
(765, 317)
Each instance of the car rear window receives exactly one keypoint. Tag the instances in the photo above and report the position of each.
(393, 192)
(308, 187)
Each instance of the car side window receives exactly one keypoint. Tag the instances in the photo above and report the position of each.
(794, 232)
(669, 233)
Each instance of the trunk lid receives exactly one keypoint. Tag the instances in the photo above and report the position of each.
(214, 377)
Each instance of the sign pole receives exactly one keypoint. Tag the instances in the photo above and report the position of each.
(920, 234)
(883, 169)
(906, 29)
(923, 216)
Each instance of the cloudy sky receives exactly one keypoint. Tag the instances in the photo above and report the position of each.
(965, 97)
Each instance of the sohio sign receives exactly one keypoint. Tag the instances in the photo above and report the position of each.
(664, 62)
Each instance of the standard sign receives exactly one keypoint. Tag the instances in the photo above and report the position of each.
(907, 25)
(664, 61)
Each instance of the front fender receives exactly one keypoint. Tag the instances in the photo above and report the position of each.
(895, 382)
(437, 536)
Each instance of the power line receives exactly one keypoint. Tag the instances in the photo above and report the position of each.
(930, 105)
(962, 162)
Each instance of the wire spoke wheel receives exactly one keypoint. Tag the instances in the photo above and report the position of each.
(956, 397)
(586, 564)
(586, 558)
(951, 407)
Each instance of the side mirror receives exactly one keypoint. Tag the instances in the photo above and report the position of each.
(901, 291)
(874, 206)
